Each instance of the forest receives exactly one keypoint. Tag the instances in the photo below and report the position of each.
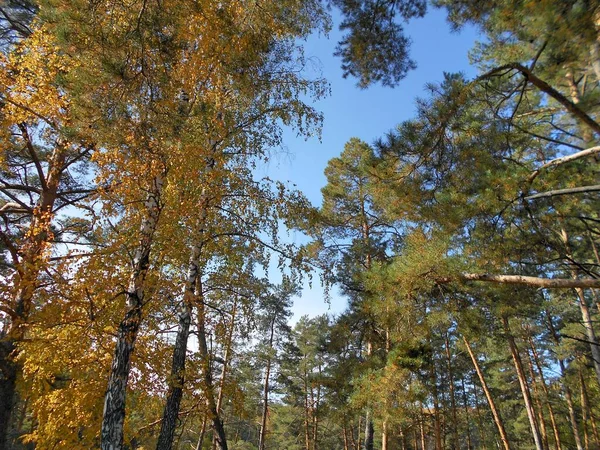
(146, 281)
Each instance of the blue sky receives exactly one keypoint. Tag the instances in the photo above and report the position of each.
(366, 114)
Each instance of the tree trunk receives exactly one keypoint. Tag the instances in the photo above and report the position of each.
(589, 330)
(436, 409)
(540, 370)
(384, 435)
(566, 389)
(226, 359)
(208, 387)
(176, 380)
(585, 405)
(345, 436)
(317, 404)
(114, 399)
(357, 445)
(488, 396)
(29, 260)
(307, 418)
(202, 433)
(538, 402)
(466, 408)
(263, 422)
(368, 431)
(422, 429)
(455, 441)
(583, 306)
(7, 391)
(584, 412)
(523, 384)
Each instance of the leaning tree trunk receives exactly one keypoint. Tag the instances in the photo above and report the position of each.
(538, 402)
(31, 254)
(114, 399)
(488, 396)
(523, 384)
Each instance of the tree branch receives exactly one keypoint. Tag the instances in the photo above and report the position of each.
(549, 283)
(564, 159)
(577, 190)
(545, 87)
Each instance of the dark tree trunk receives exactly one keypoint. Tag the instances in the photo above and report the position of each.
(8, 372)
(114, 399)
(177, 378)
(29, 262)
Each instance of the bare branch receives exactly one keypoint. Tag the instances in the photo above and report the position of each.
(577, 190)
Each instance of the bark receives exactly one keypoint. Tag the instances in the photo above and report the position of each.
(358, 445)
(263, 422)
(369, 432)
(537, 439)
(355, 441)
(584, 413)
(436, 410)
(114, 400)
(202, 432)
(369, 429)
(345, 437)
(384, 435)
(208, 387)
(538, 403)
(307, 419)
(540, 370)
(589, 330)
(315, 415)
(29, 260)
(177, 378)
(495, 413)
(422, 429)
(7, 391)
